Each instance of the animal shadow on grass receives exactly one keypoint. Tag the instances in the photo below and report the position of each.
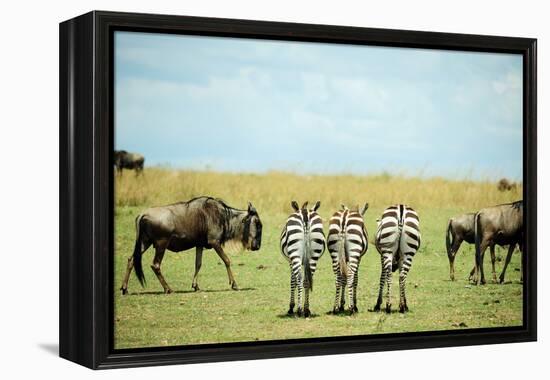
(295, 316)
(160, 292)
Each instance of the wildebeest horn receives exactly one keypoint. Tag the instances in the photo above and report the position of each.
(343, 206)
(294, 205)
(251, 209)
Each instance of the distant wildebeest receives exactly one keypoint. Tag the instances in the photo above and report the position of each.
(302, 244)
(347, 243)
(505, 185)
(397, 240)
(502, 225)
(461, 228)
(127, 160)
(203, 223)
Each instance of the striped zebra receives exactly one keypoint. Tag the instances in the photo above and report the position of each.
(302, 244)
(397, 241)
(347, 242)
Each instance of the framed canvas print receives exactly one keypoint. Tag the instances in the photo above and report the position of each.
(235, 189)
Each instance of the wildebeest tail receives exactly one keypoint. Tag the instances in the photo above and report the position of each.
(477, 233)
(449, 238)
(138, 253)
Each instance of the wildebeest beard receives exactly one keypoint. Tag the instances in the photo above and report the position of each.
(237, 233)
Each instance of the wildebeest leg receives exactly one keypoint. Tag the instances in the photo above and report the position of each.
(159, 254)
(508, 258)
(479, 278)
(198, 264)
(130, 266)
(452, 255)
(493, 258)
(218, 248)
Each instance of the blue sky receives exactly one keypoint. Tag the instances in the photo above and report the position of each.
(246, 105)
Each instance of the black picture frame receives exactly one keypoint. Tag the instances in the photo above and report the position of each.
(86, 188)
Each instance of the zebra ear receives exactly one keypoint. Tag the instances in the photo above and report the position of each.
(294, 205)
(304, 206)
(364, 209)
(317, 205)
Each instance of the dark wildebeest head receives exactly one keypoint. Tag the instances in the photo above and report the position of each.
(505, 185)
(252, 231)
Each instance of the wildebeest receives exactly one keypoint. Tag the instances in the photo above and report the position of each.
(502, 225)
(127, 160)
(505, 185)
(461, 228)
(203, 223)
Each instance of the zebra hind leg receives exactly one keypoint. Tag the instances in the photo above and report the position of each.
(307, 313)
(292, 292)
(300, 286)
(404, 270)
(350, 280)
(335, 309)
(355, 280)
(382, 284)
(388, 259)
(342, 294)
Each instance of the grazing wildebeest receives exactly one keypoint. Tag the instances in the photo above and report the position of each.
(505, 185)
(502, 225)
(461, 228)
(202, 222)
(127, 160)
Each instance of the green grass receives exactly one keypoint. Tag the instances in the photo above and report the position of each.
(147, 317)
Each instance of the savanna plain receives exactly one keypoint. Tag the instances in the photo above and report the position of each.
(146, 317)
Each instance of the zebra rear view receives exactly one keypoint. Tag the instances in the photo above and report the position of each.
(302, 244)
(397, 241)
(347, 243)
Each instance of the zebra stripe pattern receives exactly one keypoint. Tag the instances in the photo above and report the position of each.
(397, 241)
(302, 244)
(347, 243)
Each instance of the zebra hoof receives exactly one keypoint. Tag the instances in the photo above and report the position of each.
(299, 312)
(290, 311)
(307, 313)
(355, 309)
(388, 308)
(403, 308)
(376, 307)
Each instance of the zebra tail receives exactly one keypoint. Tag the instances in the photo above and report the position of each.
(342, 262)
(138, 253)
(306, 263)
(395, 259)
